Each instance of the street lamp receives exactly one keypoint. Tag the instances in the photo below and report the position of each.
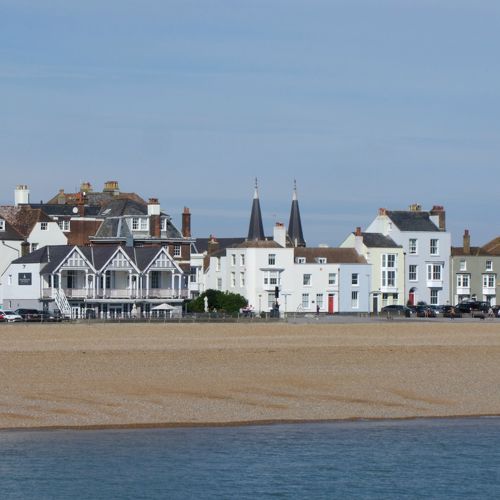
(260, 309)
(285, 295)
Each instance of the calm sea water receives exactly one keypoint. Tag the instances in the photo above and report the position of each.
(411, 459)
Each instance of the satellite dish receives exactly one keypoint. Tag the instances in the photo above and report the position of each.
(75, 210)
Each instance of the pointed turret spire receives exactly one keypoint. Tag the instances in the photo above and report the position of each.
(256, 229)
(295, 225)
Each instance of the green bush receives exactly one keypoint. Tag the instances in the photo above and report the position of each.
(221, 301)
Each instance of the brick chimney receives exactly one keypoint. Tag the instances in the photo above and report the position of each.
(111, 187)
(358, 240)
(25, 248)
(466, 242)
(154, 217)
(382, 211)
(213, 245)
(186, 223)
(438, 210)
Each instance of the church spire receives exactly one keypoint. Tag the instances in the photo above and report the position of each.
(256, 229)
(295, 225)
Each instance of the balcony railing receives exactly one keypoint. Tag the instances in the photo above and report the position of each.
(118, 293)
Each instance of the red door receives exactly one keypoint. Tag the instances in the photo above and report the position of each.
(411, 298)
(330, 303)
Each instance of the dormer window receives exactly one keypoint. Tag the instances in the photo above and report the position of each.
(321, 260)
(163, 224)
(44, 226)
(140, 224)
(300, 260)
(64, 225)
(2, 225)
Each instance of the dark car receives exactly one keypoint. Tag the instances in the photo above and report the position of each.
(396, 310)
(29, 314)
(472, 306)
(425, 312)
(50, 316)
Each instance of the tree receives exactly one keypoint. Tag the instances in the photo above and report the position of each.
(221, 301)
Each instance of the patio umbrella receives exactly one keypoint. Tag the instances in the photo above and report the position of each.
(163, 307)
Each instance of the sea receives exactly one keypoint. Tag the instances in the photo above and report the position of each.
(425, 458)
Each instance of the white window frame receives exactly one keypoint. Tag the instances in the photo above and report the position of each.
(305, 301)
(2, 225)
(489, 265)
(64, 225)
(354, 299)
(355, 279)
(489, 281)
(177, 250)
(319, 300)
(233, 279)
(463, 280)
(332, 279)
(300, 260)
(233, 259)
(434, 272)
(413, 246)
(242, 259)
(434, 246)
(44, 226)
(271, 259)
(307, 279)
(434, 296)
(415, 272)
(242, 280)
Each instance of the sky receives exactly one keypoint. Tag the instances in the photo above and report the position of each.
(365, 103)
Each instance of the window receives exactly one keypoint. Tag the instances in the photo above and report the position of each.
(140, 224)
(177, 250)
(412, 272)
(434, 297)
(319, 300)
(2, 225)
(44, 226)
(242, 259)
(233, 259)
(389, 260)
(300, 260)
(242, 279)
(488, 280)
(34, 246)
(463, 265)
(412, 246)
(155, 279)
(463, 280)
(271, 259)
(219, 283)
(388, 272)
(388, 278)
(354, 300)
(217, 264)
(306, 280)
(305, 300)
(321, 260)
(233, 279)
(434, 246)
(64, 225)
(163, 223)
(271, 300)
(354, 279)
(332, 278)
(489, 265)
(434, 272)
(271, 278)
(192, 274)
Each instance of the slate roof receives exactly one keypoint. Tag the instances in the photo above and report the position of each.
(10, 233)
(23, 218)
(255, 228)
(66, 210)
(94, 198)
(378, 240)
(412, 220)
(474, 252)
(202, 243)
(119, 207)
(117, 228)
(295, 233)
(259, 244)
(53, 255)
(332, 255)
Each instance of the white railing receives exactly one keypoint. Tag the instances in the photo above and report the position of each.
(62, 302)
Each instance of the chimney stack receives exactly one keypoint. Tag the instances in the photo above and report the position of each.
(438, 210)
(186, 223)
(466, 242)
(358, 240)
(21, 195)
(213, 245)
(25, 248)
(279, 234)
(382, 211)
(111, 187)
(154, 218)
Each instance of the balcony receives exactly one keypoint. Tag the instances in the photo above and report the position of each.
(118, 293)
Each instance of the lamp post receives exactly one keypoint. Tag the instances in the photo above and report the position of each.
(285, 295)
(260, 309)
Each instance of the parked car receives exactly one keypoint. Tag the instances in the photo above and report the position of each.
(471, 306)
(50, 316)
(11, 316)
(425, 312)
(2, 317)
(29, 314)
(396, 310)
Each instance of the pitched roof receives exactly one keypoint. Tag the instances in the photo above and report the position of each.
(474, 252)
(222, 243)
(409, 220)
(378, 240)
(259, 244)
(493, 246)
(23, 218)
(332, 255)
(10, 233)
(66, 210)
(53, 255)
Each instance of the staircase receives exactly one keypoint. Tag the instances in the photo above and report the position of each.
(62, 302)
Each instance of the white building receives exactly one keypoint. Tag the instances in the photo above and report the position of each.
(427, 248)
(388, 267)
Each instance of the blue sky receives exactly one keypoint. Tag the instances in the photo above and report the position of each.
(367, 103)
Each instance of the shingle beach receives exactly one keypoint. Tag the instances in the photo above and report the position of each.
(103, 375)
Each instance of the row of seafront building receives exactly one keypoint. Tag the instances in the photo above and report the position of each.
(113, 253)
